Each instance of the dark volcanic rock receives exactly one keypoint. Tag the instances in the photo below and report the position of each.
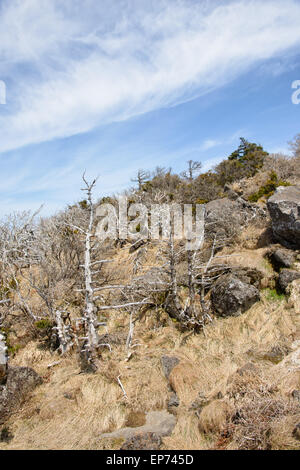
(287, 276)
(225, 216)
(231, 297)
(19, 383)
(168, 363)
(173, 401)
(247, 275)
(283, 258)
(284, 208)
(6, 436)
(296, 432)
(146, 441)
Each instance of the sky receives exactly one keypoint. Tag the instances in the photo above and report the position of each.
(111, 87)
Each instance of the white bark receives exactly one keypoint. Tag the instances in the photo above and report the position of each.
(89, 315)
(63, 333)
(122, 388)
(3, 356)
(130, 333)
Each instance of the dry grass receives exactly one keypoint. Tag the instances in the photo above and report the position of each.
(260, 413)
(71, 410)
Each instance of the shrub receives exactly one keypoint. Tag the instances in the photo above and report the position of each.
(268, 189)
(44, 324)
(260, 411)
(244, 162)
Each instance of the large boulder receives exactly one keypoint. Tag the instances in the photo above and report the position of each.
(225, 217)
(20, 382)
(161, 423)
(282, 258)
(231, 296)
(286, 277)
(284, 208)
(168, 363)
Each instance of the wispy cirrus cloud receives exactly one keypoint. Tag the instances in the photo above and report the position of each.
(72, 66)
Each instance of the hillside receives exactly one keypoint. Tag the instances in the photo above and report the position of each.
(211, 363)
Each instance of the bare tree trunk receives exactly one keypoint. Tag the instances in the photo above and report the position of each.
(130, 334)
(191, 280)
(3, 356)
(63, 333)
(90, 319)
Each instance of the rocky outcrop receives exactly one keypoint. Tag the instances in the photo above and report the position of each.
(282, 258)
(286, 277)
(231, 296)
(227, 216)
(284, 208)
(161, 423)
(224, 216)
(20, 381)
(168, 363)
(173, 401)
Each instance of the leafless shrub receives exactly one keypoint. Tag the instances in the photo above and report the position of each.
(259, 410)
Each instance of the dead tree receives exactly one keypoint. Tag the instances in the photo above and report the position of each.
(89, 314)
(3, 356)
(95, 287)
(141, 177)
(16, 233)
(194, 168)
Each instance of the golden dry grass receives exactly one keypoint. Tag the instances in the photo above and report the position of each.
(71, 410)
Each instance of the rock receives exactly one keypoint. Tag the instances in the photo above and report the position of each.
(248, 275)
(296, 395)
(224, 216)
(296, 432)
(287, 276)
(282, 258)
(168, 363)
(5, 435)
(19, 383)
(230, 193)
(231, 297)
(161, 423)
(284, 209)
(173, 401)
(146, 441)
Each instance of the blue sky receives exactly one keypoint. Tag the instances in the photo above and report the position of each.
(111, 87)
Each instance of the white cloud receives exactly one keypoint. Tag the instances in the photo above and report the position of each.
(90, 63)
